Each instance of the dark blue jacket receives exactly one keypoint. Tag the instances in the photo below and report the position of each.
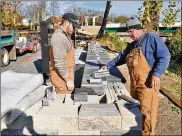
(155, 51)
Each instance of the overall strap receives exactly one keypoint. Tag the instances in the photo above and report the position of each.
(143, 38)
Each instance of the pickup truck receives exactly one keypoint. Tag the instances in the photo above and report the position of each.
(12, 45)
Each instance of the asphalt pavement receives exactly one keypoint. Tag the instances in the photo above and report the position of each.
(26, 63)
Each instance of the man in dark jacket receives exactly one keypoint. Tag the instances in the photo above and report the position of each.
(147, 58)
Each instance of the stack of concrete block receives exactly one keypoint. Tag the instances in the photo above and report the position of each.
(131, 117)
(83, 113)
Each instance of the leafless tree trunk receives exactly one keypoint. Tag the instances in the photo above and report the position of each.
(54, 8)
(103, 26)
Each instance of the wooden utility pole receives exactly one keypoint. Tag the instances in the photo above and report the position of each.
(103, 26)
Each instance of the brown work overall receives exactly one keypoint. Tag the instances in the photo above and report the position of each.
(56, 79)
(139, 70)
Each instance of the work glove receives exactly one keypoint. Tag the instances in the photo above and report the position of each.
(70, 85)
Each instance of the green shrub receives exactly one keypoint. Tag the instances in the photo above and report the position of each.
(175, 45)
(175, 49)
(118, 45)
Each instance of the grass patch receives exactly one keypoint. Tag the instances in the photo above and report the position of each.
(113, 42)
(175, 68)
(175, 108)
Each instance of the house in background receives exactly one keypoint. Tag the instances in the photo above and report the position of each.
(27, 21)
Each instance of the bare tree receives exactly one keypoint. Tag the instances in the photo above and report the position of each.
(103, 26)
(54, 8)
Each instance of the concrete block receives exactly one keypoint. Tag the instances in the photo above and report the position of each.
(99, 117)
(60, 96)
(123, 133)
(91, 53)
(104, 107)
(111, 133)
(93, 99)
(99, 74)
(93, 80)
(58, 117)
(102, 53)
(90, 58)
(81, 97)
(104, 82)
(123, 88)
(34, 109)
(59, 109)
(97, 88)
(57, 102)
(102, 58)
(89, 90)
(87, 77)
(91, 67)
(109, 97)
(80, 133)
(113, 80)
(88, 72)
(131, 118)
(69, 99)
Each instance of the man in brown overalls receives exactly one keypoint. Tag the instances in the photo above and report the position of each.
(62, 55)
(147, 58)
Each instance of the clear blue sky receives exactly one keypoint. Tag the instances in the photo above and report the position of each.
(127, 8)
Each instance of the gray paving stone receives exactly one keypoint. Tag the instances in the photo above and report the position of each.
(91, 53)
(104, 58)
(87, 66)
(90, 58)
(89, 80)
(102, 53)
(114, 80)
(104, 61)
(81, 97)
(90, 71)
(89, 90)
(98, 88)
(106, 107)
